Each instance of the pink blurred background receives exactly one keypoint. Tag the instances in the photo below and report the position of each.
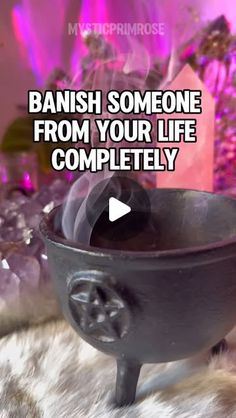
(34, 36)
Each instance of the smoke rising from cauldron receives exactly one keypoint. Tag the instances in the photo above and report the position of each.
(126, 73)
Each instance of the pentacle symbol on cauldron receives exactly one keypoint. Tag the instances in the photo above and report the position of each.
(98, 309)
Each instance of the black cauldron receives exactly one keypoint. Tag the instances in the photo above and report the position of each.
(153, 306)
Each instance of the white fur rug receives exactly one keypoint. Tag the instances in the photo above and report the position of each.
(49, 372)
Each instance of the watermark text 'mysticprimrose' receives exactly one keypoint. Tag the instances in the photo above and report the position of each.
(121, 29)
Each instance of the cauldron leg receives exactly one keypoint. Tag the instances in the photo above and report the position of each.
(221, 347)
(126, 382)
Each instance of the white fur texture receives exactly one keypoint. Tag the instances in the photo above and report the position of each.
(49, 372)
(33, 306)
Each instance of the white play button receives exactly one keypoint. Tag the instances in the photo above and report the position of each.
(117, 209)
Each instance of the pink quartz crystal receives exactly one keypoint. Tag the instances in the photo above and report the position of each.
(194, 163)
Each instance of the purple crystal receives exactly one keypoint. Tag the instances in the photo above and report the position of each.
(6, 207)
(26, 268)
(25, 264)
(43, 196)
(11, 234)
(220, 24)
(9, 283)
(58, 189)
(20, 199)
(32, 213)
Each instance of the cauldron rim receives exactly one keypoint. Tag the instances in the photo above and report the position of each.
(50, 235)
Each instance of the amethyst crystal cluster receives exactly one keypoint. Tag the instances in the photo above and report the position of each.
(23, 261)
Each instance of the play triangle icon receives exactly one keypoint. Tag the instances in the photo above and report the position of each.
(117, 209)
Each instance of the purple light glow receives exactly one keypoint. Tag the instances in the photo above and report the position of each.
(41, 28)
(4, 176)
(27, 182)
(69, 176)
(23, 36)
(38, 28)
